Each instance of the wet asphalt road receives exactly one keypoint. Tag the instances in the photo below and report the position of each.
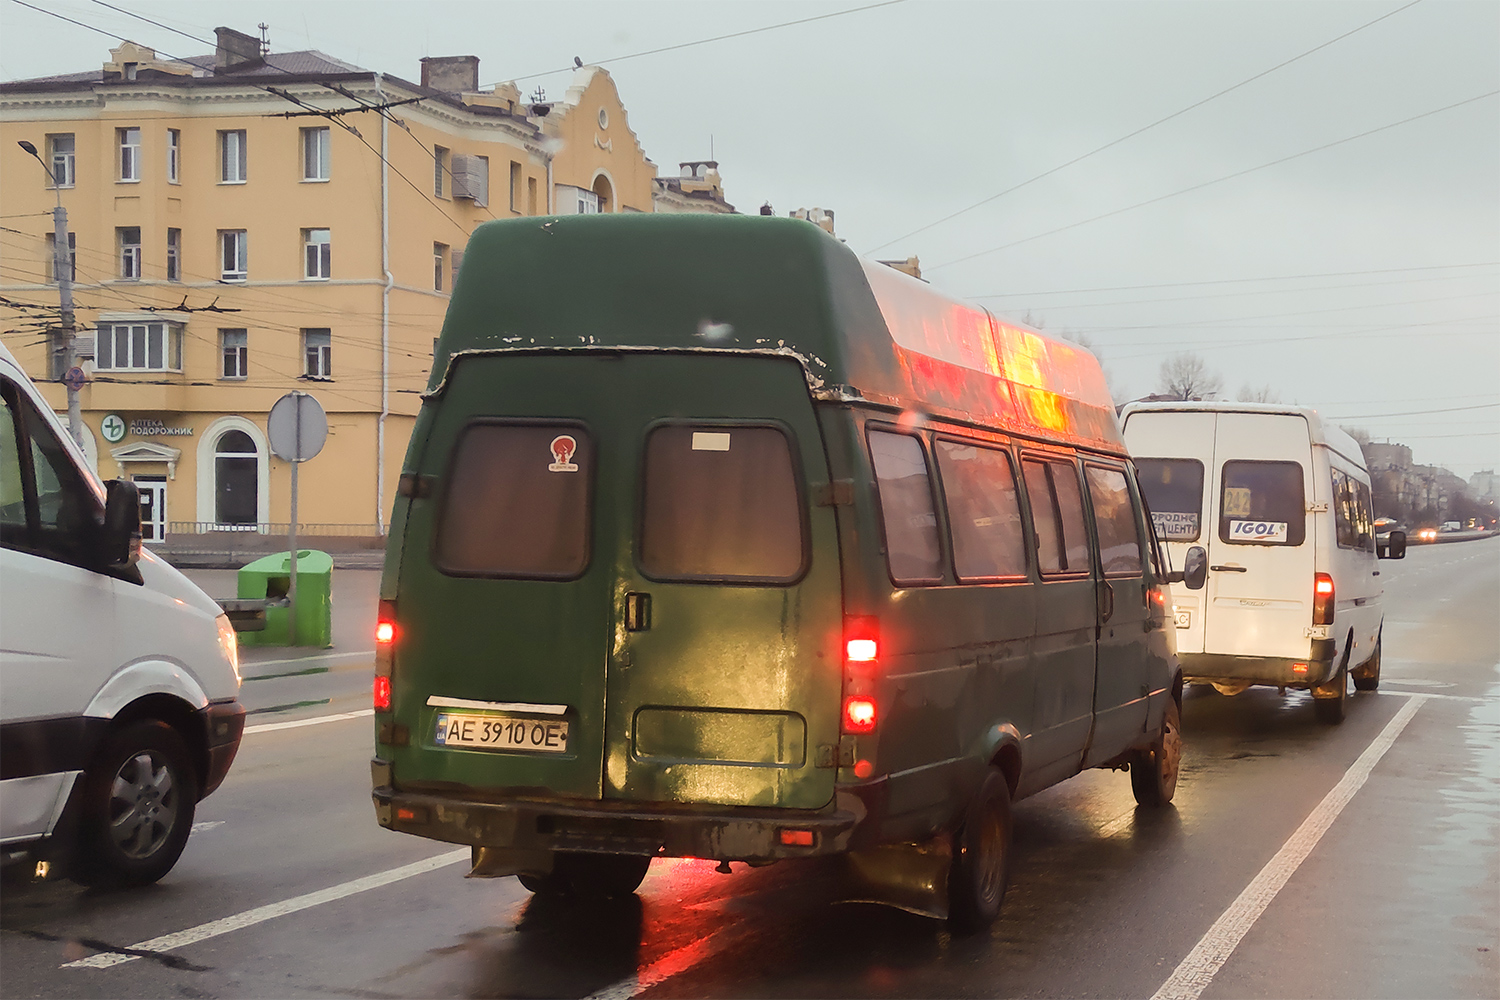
(1400, 897)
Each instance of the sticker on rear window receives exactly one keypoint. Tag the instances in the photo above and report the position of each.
(1236, 501)
(563, 447)
(710, 441)
(1175, 524)
(1257, 531)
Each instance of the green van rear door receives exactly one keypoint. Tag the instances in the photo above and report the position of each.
(628, 540)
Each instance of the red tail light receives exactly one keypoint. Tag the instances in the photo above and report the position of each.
(385, 632)
(860, 715)
(861, 650)
(385, 638)
(382, 697)
(861, 639)
(1322, 599)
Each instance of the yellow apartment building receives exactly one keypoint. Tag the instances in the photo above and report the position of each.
(247, 223)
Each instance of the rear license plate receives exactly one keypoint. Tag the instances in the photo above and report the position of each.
(501, 732)
(1184, 619)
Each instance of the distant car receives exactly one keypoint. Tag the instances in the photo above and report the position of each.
(1451, 526)
(1427, 535)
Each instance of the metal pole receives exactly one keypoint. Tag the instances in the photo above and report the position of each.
(291, 590)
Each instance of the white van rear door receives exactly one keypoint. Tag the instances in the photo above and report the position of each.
(1260, 540)
(1174, 459)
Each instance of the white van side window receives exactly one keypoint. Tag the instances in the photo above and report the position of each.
(48, 509)
(1351, 513)
(905, 489)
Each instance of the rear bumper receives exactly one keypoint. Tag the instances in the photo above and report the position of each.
(658, 829)
(1318, 666)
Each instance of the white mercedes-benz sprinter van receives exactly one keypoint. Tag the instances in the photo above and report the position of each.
(119, 679)
(1267, 509)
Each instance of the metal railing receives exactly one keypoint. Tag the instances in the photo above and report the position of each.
(321, 529)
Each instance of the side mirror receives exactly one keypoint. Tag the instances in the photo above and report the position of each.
(120, 535)
(1395, 546)
(1195, 568)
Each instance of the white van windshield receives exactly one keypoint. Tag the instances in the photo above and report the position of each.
(1173, 488)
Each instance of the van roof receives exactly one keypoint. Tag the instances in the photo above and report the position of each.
(1322, 432)
(862, 331)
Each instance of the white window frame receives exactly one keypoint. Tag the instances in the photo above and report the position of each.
(316, 148)
(234, 346)
(239, 239)
(174, 156)
(439, 169)
(51, 240)
(234, 162)
(317, 254)
(135, 340)
(317, 353)
(130, 154)
(439, 265)
(64, 163)
(174, 255)
(130, 253)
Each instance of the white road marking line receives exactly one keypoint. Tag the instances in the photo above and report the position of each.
(271, 727)
(214, 928)
(206, 825)
(303, 659)
(664, 968)
(1208, 956)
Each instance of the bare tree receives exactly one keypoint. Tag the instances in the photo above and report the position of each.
(1264, 394)
(1186, 376)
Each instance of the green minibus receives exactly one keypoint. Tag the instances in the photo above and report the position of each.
(714, 540)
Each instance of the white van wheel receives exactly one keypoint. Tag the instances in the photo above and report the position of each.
(981, 858)
(139, 797)
(1153, 773)
(1331, 710)
(1367, 677)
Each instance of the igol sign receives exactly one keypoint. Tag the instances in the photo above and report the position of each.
(155, 428)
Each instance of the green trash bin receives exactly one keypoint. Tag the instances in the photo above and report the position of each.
(271, 577)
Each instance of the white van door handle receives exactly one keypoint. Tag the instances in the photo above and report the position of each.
(1229, 569)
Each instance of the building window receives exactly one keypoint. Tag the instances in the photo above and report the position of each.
(232, 161)
(234, 256)
(515, 186)
(128, 238)
(174, 254)
(315, 145)
(151, 347)
(130, 153)
(235, 348)
(531, 196)
(439, 168)
(60, 152)
(317, 352)
(317, 254)
(439, 264)
(588, 202)
(174, 155)
(236, 479)
(52, 257)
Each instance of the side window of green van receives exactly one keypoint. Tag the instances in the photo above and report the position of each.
(912, 551)
(984, 514)
(516, 503)
(720, 504)
(1062, 543)
(1114, 520)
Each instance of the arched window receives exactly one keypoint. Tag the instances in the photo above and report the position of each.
(236, 479)
(605, 193)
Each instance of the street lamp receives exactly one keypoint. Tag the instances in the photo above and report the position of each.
(62, 267)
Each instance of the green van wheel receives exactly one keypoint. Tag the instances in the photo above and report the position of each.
(1153, 773)
(981, 858)
(587, 874)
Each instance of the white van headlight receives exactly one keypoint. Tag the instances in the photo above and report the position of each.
(229, 644)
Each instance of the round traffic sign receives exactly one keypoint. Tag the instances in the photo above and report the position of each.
(74, 378)
(297, 427)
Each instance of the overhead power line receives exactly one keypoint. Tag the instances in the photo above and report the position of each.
(1143, 128)
(1216, 180)
(1231, 281)
(705, 41)
(1414, 413)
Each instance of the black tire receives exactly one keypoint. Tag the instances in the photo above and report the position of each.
(543, 885)
(585, 874)
(139, 796)
(1153, 773)
(980, 871)
(1331, 710)
(1368, 677)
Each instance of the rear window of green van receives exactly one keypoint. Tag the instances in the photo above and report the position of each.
(517, 502)
(721, 504)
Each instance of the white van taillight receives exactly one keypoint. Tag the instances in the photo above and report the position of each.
(1322, 599)
(385, 638)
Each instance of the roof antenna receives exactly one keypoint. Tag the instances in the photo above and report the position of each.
(265, 39)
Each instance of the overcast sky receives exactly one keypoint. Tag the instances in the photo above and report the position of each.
(1363, 279)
